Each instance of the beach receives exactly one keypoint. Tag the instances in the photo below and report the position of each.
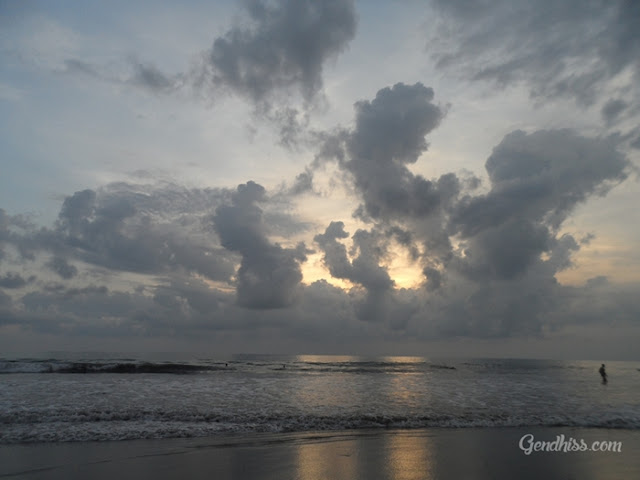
(474, 453)
(312, 418)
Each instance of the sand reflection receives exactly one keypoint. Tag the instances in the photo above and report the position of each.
(331, 459)
(387, 455)
(410, 457)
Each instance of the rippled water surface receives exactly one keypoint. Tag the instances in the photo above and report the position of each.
(106, 397)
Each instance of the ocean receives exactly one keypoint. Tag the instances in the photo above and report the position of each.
(101, 397)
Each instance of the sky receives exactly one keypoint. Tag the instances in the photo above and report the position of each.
(434, 178)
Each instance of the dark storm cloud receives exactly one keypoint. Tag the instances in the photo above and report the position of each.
(269, 275)
(559, 49)
(284, 44)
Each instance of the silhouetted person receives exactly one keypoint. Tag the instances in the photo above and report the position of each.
(603, 374)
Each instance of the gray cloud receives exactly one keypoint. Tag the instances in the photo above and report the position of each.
(14, 280)
(390, 133)
(542, 176)
(499, 280)
(365, 269)
(280, 48)
(303, 183)
(131, 230)
(5, 301)
(269, 275)
(559, 49)
(434, 278)
(537, 180)
(612, 110)
(284, 45)
(489, 260)
(274, 49)
(147, 229)
(149, 77)
(133, 72)
(63, 268)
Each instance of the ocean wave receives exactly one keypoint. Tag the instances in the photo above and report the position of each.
(55, 366)
(24, 427)
(130, 366)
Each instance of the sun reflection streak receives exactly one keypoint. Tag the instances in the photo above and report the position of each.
(411, 457)
(325, 460)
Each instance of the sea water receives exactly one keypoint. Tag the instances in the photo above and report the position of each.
(113, 397)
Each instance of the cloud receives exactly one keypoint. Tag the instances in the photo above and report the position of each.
(537, 180)
(612, 110)
(63, 268)
(149, 77)
(269, 275)
(374, 297)
(541, 177)
(127, 230)
(284, 44)
(162, 259)
(14, 280)
(274, 48)
(302, 184)
(489, 259)
(500, 281)
(569, 49)
(273, 57)
(5, 300)
(145, 229)
(389, 134)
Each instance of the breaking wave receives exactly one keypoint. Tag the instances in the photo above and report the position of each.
(100, 425)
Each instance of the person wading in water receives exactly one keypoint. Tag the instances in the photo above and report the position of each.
(603, 374)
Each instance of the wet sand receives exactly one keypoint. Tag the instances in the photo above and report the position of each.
(473, 453)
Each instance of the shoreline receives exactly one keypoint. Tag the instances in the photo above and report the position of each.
(480, 453)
